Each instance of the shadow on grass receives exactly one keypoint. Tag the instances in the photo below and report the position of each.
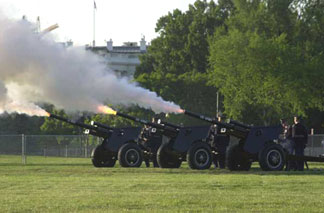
(184, 171)
(177, 171)
(258, 171)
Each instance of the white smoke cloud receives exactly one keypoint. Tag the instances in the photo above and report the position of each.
(3, 95)
(33, 68)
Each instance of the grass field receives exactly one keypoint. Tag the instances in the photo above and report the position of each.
(74, 185)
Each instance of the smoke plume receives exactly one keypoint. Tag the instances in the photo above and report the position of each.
(34, 68)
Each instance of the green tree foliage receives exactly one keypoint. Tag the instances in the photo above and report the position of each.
(53, 126)
(20, 124)
(117, 121)
(176, 62)
(268, 62)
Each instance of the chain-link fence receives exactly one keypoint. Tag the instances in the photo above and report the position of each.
(81, 145)
(315, 145)
(48, 145)
(11, 144)
(60, 145)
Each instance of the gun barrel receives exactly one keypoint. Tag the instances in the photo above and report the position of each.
(99, 131)
(202, 117)
(59, 118)
(170, 124)
(145, 122)
(82, 125)
(97, 124)
(136, 119)
(235, 129)
(239, 124)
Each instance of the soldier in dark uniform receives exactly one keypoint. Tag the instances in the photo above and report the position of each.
(152, 140)
(287, 142)
(299, 136)
(155, 141)
(145, 134)
(220, 142)
(212, 141)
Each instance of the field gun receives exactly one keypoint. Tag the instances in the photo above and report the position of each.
(104, 126)
(255, 144)
(89, 129)
(106, 154)
(165, 123)
(179, 144)
(168, 129)
(152, 136)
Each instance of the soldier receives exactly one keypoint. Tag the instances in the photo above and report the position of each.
(212, 140)
(299, 136)
(287, 143)
(155, 141)
(145, 134)
(152, 140)
(220, 143)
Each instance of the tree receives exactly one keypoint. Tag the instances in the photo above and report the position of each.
(117, 121)
(176, 63)
(262, 63)
(53, 127)
(20, 124)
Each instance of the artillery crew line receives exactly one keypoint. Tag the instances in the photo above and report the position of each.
(167, 145)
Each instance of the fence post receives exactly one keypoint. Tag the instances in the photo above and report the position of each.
(66, 150)
(85, 146)
(23, 149)
(312, 134)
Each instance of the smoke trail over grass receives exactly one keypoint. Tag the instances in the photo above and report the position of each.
(34, 68)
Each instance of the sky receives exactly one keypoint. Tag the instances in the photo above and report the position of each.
(119, 20)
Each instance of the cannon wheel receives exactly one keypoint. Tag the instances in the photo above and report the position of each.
(272, 157)
(236, 159)
(100, 158)
(166, 160)
(199, 156)
(130, 155)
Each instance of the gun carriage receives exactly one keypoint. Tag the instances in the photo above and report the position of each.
(255, 144)
(179, 144)
(115, 141)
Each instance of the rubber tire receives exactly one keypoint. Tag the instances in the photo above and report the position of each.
(264, 157)
(100, 158)
(165, 160)
(196, 148)
(124, 151)
(236, 159)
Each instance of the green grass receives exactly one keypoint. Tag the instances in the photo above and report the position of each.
(74, 185)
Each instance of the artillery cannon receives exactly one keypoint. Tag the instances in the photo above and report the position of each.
(255, 144)
(164, 123)
(152, 138)
(179, 144)
(96, 131)
(106, 154)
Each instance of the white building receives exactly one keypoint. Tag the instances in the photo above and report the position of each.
(122, 59)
